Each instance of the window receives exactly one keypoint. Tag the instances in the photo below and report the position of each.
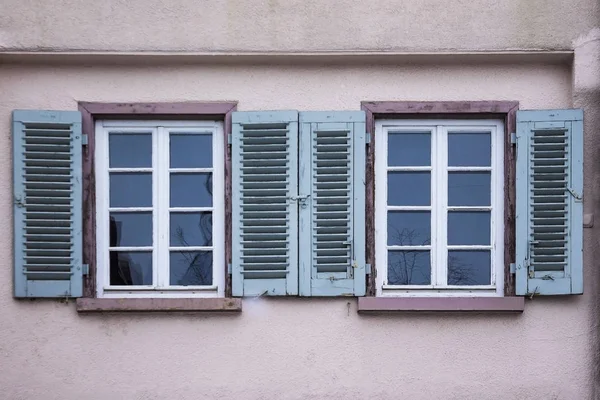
(159, 215)
(439, 207)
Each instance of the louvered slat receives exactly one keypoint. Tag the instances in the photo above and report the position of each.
(264, 157)
(549, 149)
(47, 176)
(332, 183)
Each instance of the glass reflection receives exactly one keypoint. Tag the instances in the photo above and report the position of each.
(409, 228)
(189, 268)
(469, 228)
(409, 149)
(469, 188)
(409, 188)
(130, 150)
(190, 151)
(409, 267)
(469, 267)
(130, 268)
(130, 229)
(131, 190)
(191, 190)
(470, 149)
(191, 229)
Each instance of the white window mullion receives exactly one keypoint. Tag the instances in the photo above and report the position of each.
(218, 230)
(442, 207)
(497, 204)
(434, 208)
(161, 211)
(381, 209)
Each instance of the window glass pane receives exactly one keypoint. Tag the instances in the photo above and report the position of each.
(469, 149)
(469, 267)
(191, 268)
(409, 228)
(409, 267)
(469, 188)
(191, 190)
(190, 151)
(130, 150)
(131, 190)
(191, 229)
(130, 229)
(130, 268)
(409, 188)
(409, 149)
(468, 228)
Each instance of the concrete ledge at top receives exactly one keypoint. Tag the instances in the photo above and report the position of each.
(91, 305)
(441, 304)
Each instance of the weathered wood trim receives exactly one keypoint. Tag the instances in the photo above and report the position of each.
(370, 203)
(510, 204)
(189, 110)
(89, 305)
(444, 109)
(440, 304)
(89, 203)
(438, 107)
(228, 199)
(179, 109)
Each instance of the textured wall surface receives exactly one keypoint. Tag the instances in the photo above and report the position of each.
(294, 25)
(290, 348)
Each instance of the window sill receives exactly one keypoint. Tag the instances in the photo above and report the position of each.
(441, 304)
(228, 305)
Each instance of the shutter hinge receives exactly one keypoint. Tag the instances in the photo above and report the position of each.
(229, 268)
(513, 268)
(513, 138)
(368, 269)
(229, 138)
(368, 138)
(84, 140)
(85, 269)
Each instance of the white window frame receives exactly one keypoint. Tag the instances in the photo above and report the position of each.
(160, 207)
(439, 207)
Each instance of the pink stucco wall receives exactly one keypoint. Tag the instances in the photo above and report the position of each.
(289, 348)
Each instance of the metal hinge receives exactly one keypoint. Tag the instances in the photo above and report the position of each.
(368, 269)
(84, 140)
(368, 138)
(513, 268)
(513, 138)
(229, 139)
(229, 268)
(85, 269)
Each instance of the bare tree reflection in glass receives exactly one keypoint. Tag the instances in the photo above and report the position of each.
(409, 267)
(199, 263)
(460, 272)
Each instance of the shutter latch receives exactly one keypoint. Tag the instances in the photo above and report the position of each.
(575, 194)
(300, 199)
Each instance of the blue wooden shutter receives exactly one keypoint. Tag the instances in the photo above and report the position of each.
(549, 220)
(47, 203)
(332, 207)
(265, 213)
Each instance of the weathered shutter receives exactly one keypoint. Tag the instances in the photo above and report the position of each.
(47, 203)
(265, 213)
(549, 220)
(332, 203)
